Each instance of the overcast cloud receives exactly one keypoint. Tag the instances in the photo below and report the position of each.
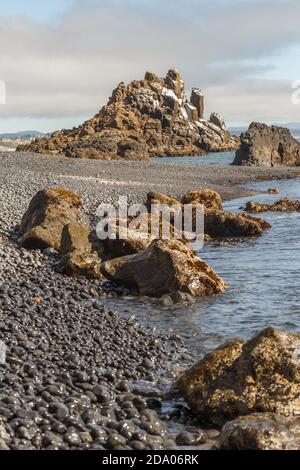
(61, 71)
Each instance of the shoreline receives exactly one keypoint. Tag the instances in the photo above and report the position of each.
(76, 349)
(138, 178)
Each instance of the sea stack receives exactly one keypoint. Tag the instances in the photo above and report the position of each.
(268, 146)
(150, 117)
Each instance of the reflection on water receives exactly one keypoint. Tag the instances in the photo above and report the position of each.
(264, 278)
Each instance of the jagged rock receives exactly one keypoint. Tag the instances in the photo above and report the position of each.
(221, 224)
(197, 100)
(282, 205)
(255, 207)
(215, 136)
(268, 146)
(48, 212)
(261, 431)
(81, 264)
(166, 267)
(217, 120)
(210, 199)
(144, 118)
(261, 222)
(243, 377)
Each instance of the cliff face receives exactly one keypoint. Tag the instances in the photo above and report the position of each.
(150, 117)
(268, 146)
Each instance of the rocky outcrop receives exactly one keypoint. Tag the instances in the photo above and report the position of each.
(48, 212)
(145, 118)
(243, 377)
(261, 431)
(222, 224)
(282, 205)
(268, 146)
(217, 222)
(264, 225)
(210, 199)
(166, 267)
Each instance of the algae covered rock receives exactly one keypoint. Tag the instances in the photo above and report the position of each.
(48, 212)
(244, 377)
(261, 431)
(166, 267)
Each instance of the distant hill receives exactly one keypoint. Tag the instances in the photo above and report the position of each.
(22, 135)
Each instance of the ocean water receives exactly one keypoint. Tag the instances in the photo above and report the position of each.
(221, 158)
(264, 278)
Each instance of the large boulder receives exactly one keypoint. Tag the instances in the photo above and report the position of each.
(134, 242)
(282, 205)
(261, 431)
(144, 118)
(244, 377)
(209, 198)
(221, 224)
(166, 267)
(48, 212)
(268, 146)
(140, 232)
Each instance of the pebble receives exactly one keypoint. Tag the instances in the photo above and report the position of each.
(72, 363)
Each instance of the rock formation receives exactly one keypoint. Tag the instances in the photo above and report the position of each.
(222, 224)
(268, 146)
(244, 377)
(166, 267)
(217, 222)
(282, 205)
(210, 199)
(261, 431)
(54, 219)
(145, 118)
(48, 212)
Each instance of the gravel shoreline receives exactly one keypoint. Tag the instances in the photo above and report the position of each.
(72, 364)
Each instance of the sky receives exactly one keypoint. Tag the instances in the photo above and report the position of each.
(61, 59)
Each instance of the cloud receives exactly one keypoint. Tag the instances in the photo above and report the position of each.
(68, 68)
